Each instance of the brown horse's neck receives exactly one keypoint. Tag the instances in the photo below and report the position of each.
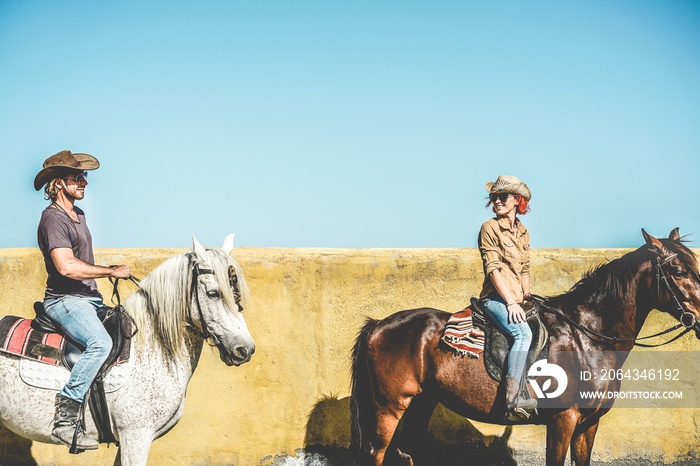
(614, 300)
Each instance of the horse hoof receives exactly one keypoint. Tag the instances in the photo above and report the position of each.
(402, 459)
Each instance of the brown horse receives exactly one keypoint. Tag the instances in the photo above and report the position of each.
(399, 373)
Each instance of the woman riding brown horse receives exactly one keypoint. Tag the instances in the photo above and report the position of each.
(504, 244)
(399, 372)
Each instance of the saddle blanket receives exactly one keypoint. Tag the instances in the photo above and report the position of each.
(19, 338)
(38, 370)
(41, 375)
(462, 337)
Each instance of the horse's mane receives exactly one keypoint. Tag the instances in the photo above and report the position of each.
(606, 286)
(163, 298)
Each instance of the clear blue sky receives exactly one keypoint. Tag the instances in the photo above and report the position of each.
(354, 124)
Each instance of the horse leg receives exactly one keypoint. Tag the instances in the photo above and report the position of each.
(387, 420)
(582, 443)
(415, 425)
(559, 433)
(134, 446)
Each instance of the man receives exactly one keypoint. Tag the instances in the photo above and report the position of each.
(71, 297)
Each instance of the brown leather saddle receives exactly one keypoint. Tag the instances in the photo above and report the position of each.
(497, 342)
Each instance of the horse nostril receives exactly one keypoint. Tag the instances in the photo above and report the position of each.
(252, 350)
(241, 352)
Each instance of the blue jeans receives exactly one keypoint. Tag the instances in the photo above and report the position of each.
(496, 308)
(77, 316)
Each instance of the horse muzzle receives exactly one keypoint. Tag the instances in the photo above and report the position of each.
(240, 354)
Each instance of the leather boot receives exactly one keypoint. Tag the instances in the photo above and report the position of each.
(518, 408)
(65, 422)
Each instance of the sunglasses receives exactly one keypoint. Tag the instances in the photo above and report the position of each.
(80, 177)
(503, 197)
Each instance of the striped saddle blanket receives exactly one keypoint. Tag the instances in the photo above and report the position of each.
(19, 338)
(461, 335)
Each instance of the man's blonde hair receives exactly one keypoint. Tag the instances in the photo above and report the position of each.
(51, 190)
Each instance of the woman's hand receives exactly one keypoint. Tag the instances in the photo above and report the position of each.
(516, 314)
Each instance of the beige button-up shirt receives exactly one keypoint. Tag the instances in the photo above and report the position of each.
(506, 250)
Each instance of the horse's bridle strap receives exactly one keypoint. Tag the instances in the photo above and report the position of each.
(661, 277)
(196, 272)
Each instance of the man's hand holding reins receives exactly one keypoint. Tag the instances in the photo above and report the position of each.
(120, 271)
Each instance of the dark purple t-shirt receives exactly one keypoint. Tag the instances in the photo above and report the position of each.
(58, 230)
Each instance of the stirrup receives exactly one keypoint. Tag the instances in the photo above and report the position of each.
(517, 415)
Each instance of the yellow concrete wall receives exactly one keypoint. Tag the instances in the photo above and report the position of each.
(308, 305)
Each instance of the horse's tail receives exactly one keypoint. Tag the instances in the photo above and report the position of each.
(361, 395)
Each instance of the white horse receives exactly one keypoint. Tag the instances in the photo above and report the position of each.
(185, 300)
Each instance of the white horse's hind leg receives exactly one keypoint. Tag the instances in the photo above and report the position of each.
(134, 446)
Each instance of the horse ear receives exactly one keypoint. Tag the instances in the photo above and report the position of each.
(198, 250)
(674, 235)
(228, 243)
(650, 240)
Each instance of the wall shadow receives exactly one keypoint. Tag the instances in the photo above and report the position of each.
(15, 450)
(450, 438)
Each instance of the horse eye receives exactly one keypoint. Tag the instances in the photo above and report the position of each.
(679, 272)
(213, 294)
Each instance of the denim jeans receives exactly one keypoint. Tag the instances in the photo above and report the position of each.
(496, 308)
(77, 316)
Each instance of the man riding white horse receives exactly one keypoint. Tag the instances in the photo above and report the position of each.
(71, 298)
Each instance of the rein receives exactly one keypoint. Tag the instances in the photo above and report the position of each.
(118, 307)
(660, 275)
(115, 284)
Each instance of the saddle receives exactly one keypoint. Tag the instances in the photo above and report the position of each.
(121, 328)
(498, 342)
(69, 354)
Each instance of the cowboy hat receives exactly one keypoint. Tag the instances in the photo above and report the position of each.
(509, 184)
(64, 163)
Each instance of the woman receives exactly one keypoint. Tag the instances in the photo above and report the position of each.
(504, 244)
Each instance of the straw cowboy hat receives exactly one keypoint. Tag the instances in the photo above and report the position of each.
(509, 184)
(62, 164)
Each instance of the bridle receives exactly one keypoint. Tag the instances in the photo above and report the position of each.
(686, 320)
(233, 280)
(661, 277)
(196, 272)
